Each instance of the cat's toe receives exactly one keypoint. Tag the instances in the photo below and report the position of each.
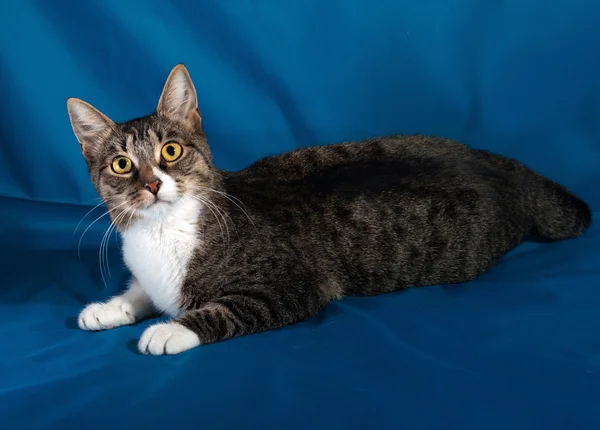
(103, 316)
(167, 338)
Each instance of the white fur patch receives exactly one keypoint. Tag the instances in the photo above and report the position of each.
(131, 306)
(157, 248)
(167, 338)
(168, 190)
(104, 316)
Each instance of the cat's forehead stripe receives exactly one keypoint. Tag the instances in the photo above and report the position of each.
(127, 142)
(152, 135)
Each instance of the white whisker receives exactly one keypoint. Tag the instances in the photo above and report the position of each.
(103, 251)
(93, 222)
(111, 230)
(100, 256)
(212, 207)
(130, 218)
(89, 212)
(231, 199)
(220, 212)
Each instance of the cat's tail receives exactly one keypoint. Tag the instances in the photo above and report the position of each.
(557, 213)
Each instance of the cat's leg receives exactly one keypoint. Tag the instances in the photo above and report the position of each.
(131, 306)
(229, 316)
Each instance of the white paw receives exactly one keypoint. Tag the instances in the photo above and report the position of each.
(103, 316)
(167, 338)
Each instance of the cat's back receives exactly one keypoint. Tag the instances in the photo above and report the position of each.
(306, 161)
(342, 202)
(346, 170)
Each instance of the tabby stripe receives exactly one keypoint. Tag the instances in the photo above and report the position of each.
(222, 327)
(233, 325)
(246, 313)
(217, 321)
(209, 322)
(246, 319)
(262, 299)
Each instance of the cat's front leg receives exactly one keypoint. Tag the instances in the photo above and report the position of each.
(229, 316)
(128, 308)
(167, 338)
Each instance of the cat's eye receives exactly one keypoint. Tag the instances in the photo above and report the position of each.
(171, 151)
(121, 165)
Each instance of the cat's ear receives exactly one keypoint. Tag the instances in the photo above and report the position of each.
(91, 127)
(178, 101)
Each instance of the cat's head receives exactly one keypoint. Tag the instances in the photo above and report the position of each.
(147, 165)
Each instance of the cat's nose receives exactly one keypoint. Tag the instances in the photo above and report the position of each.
(153, 186)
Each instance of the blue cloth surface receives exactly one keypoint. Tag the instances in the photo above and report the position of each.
(517, 348)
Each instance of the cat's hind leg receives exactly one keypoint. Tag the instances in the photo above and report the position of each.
(128, 308)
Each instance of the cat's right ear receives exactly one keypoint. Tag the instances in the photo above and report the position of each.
(91, 127)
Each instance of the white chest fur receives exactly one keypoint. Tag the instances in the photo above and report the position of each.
(157, 249)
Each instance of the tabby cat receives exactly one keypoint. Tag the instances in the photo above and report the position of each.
(226, 254)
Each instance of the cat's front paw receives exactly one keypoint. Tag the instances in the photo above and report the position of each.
(104, 316)
(167, 338)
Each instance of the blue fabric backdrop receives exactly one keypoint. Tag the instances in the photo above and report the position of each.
(518, 348)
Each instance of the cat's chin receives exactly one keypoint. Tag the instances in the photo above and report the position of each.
(157, 208)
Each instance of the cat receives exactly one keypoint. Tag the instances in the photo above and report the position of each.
(226, 254)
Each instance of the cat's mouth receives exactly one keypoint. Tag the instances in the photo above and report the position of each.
(155, 203)
(158, 202)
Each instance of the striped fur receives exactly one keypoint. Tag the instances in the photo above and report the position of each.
(274, 243)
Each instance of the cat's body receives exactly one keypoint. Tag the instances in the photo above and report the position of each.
(272, 244)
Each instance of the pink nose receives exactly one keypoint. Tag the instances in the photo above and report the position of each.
(153, 186)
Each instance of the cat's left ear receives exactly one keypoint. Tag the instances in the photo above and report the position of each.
(91, 127)
(178, 101)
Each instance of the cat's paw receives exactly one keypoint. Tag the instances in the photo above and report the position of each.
(104, 316)
(167, 338)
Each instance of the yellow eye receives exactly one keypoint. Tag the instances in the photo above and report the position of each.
(171, 151)
(121, 165)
